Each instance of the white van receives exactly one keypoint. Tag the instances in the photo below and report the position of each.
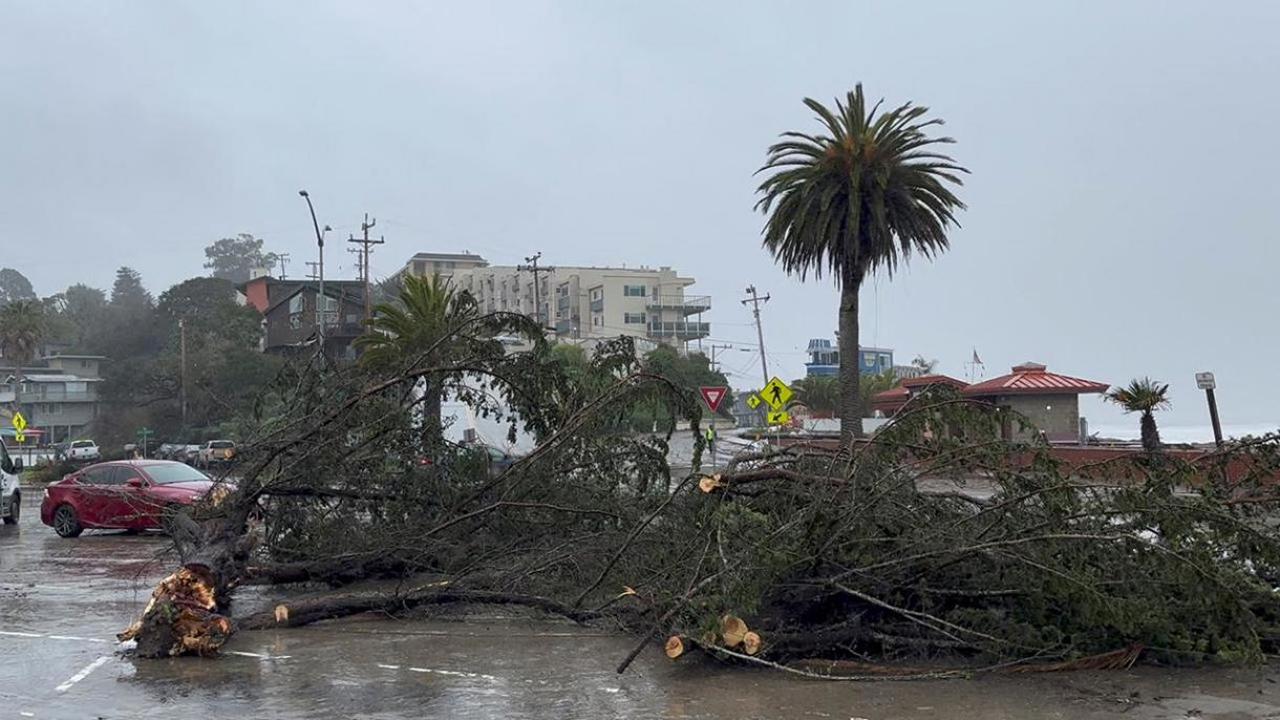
(10, 496)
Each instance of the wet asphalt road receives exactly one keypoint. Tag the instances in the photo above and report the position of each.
(61, 601)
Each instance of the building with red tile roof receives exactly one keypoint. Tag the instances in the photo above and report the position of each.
(890, 401)
(1049, 401)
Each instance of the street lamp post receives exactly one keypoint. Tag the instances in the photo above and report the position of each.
(319, 244)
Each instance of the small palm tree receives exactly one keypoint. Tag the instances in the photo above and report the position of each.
(1143, 396)
(412, 330)
(871, 385)
(862, 195)
(22, 331)
(819, 393)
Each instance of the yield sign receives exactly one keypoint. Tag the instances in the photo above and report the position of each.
(713, 396)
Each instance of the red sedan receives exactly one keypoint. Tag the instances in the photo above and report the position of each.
(126, 495)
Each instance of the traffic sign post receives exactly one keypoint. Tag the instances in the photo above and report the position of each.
(713, 396)
(143, 435)
(777, 394)
(19, 425)
(1206, 382)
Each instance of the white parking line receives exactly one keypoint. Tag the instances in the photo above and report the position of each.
(20, 634)
(257, 655)
(84, 673)
(454, 673)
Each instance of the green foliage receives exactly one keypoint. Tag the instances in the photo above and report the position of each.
(233, 259)
(14, 286)
(687, 372)
(819, 393)
(1143, 396)
(22, 331)
(863, 195)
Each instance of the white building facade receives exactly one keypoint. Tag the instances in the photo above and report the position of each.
(581, 303)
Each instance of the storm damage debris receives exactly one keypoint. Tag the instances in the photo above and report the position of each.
(181, 618)
(933, 542)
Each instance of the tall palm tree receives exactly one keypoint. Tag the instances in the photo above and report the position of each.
(1143, 396)
(862, 195)
(410, 329)
(22, 331)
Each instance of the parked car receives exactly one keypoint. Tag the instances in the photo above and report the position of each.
(217, 452)
(84, 451)
(190, 454)
(10, 493)
(125, 495)
(169, 451)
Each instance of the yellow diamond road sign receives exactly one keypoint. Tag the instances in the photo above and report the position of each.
(19, 422)
(753, 401)
(778, 417)
(776, 393)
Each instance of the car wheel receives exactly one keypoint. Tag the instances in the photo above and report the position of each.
(15, 509)
(65, 522)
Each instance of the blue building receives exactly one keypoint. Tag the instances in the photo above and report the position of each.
(824, 359)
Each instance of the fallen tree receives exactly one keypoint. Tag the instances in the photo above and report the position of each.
(921, 545)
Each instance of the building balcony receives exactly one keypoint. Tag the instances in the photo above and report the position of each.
(57, 396)
(597, 305)
(680, 303)
(679, 330)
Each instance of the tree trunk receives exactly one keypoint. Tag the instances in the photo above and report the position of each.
(1150, 435)
(850, 404)
(432, 423)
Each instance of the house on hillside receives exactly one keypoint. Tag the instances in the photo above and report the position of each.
(58, 397)
(291, 321)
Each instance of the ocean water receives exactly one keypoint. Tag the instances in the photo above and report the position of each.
(1182, 433)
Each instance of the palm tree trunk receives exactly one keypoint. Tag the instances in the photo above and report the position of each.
(1150, 435)
(850, 403)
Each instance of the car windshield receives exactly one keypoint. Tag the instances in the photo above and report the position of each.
(82, 443)
(175, 473)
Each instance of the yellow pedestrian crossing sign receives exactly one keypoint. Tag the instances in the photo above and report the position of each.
(776, 393)
(19, 424)
(778, 417)
(753, 401)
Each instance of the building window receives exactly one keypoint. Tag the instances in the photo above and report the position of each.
(295, 311)
(597, 293)
(633, 318)
(635, 290)
(885, 361)
(597, 321)
(868, 359)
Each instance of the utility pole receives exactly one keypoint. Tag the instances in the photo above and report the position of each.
(284, 260)
(312, 264)
(182, 360)
(715, 364)
(366, 248)
(537, 295)
(755, 301)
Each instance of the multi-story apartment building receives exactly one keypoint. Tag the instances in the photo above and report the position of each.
(58, 396)
(580, 302)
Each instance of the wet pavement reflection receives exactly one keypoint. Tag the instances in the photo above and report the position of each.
(61, 601)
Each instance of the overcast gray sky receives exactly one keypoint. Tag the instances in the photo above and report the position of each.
(1122, 209)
